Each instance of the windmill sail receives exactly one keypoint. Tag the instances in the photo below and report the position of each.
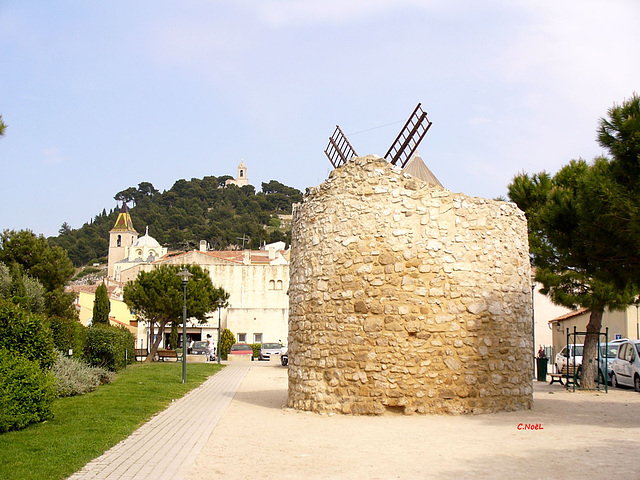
(409, 138)
(339, 151)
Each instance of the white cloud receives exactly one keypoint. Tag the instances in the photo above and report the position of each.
(479, 120)
(297, 12)
(52, 155)
(571, 48)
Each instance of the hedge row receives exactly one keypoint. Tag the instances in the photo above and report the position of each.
(28, 345)
(109, 347)
(26, 392)
(26, 334)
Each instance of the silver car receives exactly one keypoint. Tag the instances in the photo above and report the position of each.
(625, 368)
(268, 349)
(607, 354)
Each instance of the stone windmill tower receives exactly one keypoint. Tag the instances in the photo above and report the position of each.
(404, 296)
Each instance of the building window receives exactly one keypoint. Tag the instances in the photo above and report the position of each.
(279, 285)
(242, 338)
(272, 284)
(257, 338)
(119, 241)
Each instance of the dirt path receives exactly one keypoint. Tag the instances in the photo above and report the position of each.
(580, 435)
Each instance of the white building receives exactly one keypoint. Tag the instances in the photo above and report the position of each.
(241, 180)
(256, 280)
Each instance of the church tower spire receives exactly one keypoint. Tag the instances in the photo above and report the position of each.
(121, 237)
(241, 180)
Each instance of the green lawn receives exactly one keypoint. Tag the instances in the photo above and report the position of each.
(86, 426)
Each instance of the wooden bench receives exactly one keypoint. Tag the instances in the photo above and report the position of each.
(567, 372)
(141, 352)
(163, 354)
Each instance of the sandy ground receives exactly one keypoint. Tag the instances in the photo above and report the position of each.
(584, 435)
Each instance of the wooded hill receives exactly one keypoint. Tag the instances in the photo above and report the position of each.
(190, 211)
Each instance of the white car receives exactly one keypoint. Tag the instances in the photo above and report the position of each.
(268, 349)
(625, 368)
(570, 353)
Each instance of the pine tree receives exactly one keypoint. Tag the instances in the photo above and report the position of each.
(583, 227)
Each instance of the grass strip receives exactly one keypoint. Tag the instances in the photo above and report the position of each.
(84, 427)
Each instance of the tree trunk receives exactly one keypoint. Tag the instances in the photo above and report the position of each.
(590, 365)
(156, 342)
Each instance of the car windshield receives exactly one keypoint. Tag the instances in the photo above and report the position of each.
(270, 345)
(200, 345)
(578, 351)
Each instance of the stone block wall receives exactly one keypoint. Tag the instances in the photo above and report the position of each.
(406, 297)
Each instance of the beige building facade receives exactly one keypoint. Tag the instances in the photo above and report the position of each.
(621, 324)
(119, 313)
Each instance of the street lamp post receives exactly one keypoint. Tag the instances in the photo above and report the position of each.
(220, 302)
(185, 275)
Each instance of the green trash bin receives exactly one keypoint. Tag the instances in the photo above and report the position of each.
(542, 369)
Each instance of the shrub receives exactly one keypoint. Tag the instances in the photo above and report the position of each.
(256, 349)
(26, 334)
(74, 377)
(275, 222)
(227, 339)
(107, 346)
(68, 334)
(26, 392)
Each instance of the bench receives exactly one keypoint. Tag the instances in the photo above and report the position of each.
(141, 352)
(163, 354)
(568, 372)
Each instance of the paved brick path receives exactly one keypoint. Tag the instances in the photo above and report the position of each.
(165, 447)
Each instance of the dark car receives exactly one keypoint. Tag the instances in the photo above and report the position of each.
(199, 348)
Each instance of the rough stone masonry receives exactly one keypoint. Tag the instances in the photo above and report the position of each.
(406, 297)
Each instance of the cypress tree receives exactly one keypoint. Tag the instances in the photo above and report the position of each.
(101, 306)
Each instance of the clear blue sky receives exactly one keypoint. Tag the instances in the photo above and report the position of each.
(99, 96)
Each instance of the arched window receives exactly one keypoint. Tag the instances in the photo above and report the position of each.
(272, 285)
(119, 241)
(279, 285)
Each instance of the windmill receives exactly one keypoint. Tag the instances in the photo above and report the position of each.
(339, 151)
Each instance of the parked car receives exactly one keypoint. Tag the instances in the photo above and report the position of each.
(607, 354)
(268, 349)
(626, 366)
(199, 348)
(569, 353)
(284, 356)
(241, 349)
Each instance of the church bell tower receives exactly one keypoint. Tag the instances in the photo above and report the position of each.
(121, 237)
